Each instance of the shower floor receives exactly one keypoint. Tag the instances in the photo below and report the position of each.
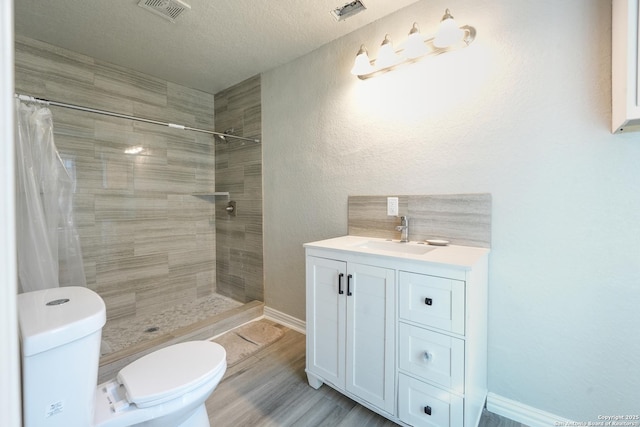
(119, 334)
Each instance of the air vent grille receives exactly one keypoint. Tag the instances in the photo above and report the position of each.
(343, 12)
(168, 9)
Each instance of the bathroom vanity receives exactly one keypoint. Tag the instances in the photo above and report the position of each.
(399, 327)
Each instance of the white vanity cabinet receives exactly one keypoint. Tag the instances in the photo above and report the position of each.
(351, 328)
(404, 333)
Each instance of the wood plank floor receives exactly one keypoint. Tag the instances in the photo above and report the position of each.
(270, 389)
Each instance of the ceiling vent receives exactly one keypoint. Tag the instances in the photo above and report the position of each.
(343, 12)
(168, 9)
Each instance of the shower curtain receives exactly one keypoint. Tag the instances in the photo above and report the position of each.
(48, 244)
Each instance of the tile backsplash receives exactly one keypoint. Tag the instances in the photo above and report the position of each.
(463, 219)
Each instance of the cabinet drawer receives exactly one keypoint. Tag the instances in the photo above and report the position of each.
(432, 301)
(423, 405)
(435, 357)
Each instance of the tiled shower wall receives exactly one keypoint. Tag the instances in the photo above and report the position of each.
(239, 171)
(147, 242)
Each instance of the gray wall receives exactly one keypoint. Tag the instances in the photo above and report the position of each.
(522, 114)
(239, 171)
(147, 242)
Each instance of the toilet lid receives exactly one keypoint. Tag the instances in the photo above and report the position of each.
(171, 371)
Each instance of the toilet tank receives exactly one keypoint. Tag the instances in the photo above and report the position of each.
(60, 331)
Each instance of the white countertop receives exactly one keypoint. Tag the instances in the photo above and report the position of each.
(452, 255)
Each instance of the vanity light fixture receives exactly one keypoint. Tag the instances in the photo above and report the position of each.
(362, 65)
(387, 56)
(448, 32)
(415, 47)
(448, 37)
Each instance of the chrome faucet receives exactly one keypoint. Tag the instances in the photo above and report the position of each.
(404, 227)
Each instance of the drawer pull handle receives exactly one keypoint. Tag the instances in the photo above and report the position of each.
(427, 410)
(340, 276)
(428, 356)
(428, 301)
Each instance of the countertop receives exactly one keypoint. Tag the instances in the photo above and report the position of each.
(463, 257)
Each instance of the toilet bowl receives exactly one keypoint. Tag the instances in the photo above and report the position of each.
(165, 388)
(60, 331)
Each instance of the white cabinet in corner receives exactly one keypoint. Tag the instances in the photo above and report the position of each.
(625, 66)
(351, 329)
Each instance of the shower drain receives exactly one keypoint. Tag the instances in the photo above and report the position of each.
(152, 329)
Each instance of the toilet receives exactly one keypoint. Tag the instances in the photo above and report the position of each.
(60, 333)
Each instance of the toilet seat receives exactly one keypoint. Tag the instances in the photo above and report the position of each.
(171, 372)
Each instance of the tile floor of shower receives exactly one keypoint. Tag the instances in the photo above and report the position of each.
(127, 339)
(120, 334)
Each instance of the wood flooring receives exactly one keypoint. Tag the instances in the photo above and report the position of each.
(270, 388)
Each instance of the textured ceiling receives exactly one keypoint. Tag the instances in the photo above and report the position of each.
(215, 45)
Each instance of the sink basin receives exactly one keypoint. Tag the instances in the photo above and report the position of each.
(397, 247)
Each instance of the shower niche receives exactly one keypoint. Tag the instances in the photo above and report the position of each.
(230, 206)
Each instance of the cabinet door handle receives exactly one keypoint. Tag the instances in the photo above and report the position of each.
(427, 410)
(428, 301)
(340, 276)
(349, 277)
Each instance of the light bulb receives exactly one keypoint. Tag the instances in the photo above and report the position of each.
(414, 46)
(362, 64)
(387, 57)
(448, 33)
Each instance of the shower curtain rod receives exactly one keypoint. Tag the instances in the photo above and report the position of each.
(28, 98)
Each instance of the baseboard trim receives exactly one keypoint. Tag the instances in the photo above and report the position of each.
(522, 413)
(285, 319)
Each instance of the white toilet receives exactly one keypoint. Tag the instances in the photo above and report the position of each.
(60, 331)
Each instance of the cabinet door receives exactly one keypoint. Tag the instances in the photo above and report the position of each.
(371, 334)
(326, 308)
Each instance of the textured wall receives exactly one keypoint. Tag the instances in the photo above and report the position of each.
(147, 242)
(239, 171)
(522, 114)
